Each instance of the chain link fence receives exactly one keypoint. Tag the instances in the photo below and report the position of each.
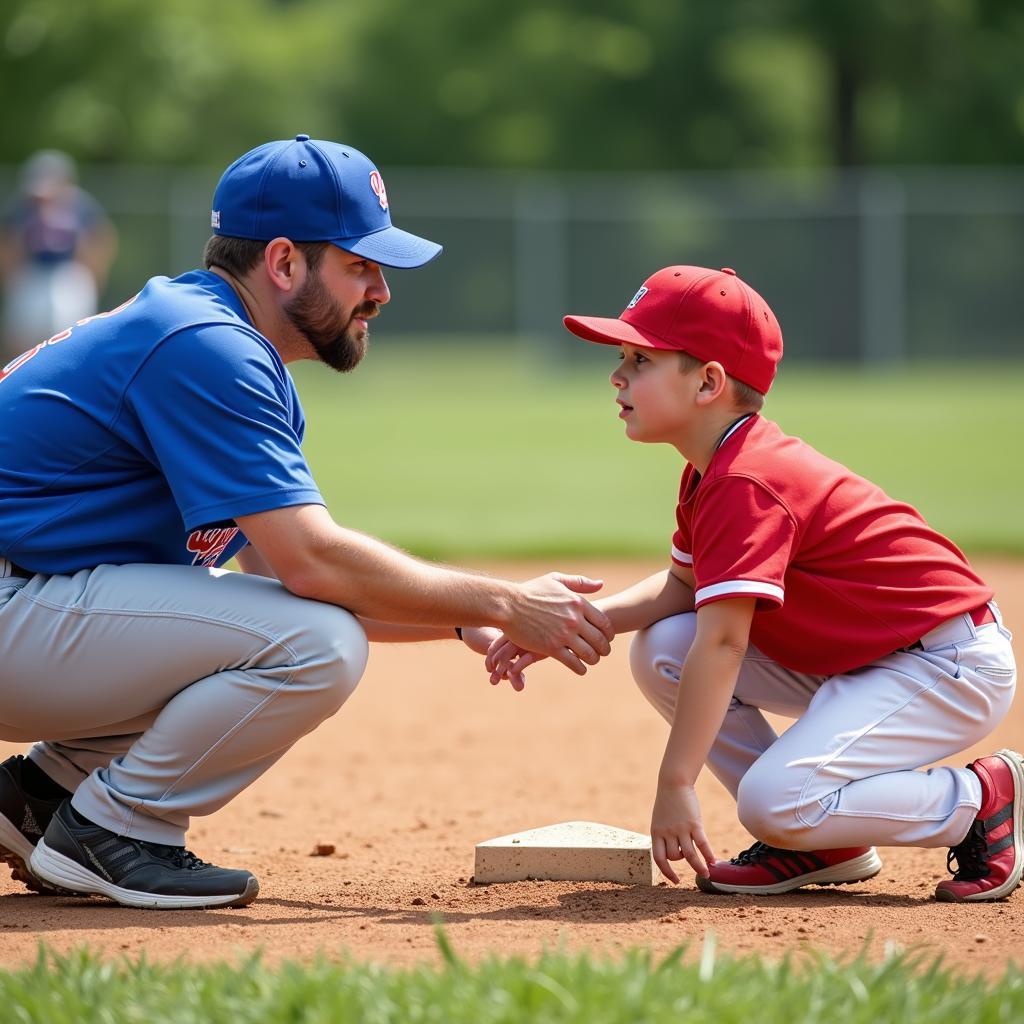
(869, 266)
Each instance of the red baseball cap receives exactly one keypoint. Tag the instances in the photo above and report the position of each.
(711, 314)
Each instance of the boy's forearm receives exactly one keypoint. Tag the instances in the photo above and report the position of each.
(705, 689)
(646, 602)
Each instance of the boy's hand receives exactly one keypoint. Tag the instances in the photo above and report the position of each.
(480, 638)
(507, 660)
(677, 832)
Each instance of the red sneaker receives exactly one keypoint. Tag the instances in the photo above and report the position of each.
(990, 859)
(765, 871)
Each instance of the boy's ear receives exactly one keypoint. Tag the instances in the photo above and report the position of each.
(712, 381)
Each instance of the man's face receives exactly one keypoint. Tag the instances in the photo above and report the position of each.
(333, 307)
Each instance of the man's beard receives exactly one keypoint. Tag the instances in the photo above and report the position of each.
(337, 341)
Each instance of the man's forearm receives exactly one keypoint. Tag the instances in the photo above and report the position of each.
(316, 558)
(377, 581)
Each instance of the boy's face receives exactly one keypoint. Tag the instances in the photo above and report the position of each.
(655, 395)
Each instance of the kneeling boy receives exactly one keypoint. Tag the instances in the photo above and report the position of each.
(799, 588)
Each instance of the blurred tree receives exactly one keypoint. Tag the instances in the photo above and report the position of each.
(538, 83)
(913, 81)
(187, 82)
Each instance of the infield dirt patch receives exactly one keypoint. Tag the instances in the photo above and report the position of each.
(427, 759)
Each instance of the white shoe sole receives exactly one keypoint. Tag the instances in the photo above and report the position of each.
(61, 871)
(13, 841)
(857, 869)
(16, 852)
(1015, 763)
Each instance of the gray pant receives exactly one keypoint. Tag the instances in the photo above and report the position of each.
(158, 692)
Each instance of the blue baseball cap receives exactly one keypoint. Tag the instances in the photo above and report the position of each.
(313, 191)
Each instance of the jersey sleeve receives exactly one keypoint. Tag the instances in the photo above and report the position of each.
(743, 540)
(221, 420)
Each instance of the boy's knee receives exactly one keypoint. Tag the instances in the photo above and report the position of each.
(766, 814)
(656, 656)
(658, 652)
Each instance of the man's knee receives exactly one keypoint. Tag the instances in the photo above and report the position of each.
(336, 656)
(657, 653)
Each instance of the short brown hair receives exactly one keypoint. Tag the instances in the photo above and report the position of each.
(239, 255)
(746, 398)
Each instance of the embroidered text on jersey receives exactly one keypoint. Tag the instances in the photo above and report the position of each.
(209, 545)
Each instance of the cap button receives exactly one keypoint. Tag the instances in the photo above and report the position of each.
(302, 138)
(728, 270)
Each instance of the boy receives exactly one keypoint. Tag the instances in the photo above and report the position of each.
(798, 588)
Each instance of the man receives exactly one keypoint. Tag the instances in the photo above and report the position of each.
(147, 446)
(56, 247)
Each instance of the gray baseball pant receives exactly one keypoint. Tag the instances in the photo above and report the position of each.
(159, 692)
(846, 772)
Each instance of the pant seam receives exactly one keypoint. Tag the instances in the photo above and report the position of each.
(120, 613)
(899, 817)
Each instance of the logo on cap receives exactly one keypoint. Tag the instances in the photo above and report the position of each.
(377, 184)
(636, 298)
(215, 218)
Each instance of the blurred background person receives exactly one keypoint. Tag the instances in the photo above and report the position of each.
(56, 247)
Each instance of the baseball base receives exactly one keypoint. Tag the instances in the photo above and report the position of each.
(572, 851)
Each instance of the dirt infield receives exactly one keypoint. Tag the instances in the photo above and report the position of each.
(426, 760)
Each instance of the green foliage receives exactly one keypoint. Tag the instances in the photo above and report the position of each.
(556, 987)
(482, 451)
(186, 82)
(538, 84)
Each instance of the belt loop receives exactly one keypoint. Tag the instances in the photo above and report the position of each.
(971, 626)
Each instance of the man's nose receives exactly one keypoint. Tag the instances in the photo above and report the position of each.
(378, 290)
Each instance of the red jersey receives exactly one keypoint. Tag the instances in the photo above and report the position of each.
(842, 573)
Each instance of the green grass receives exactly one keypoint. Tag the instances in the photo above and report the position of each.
(556, 987)
(455, 451)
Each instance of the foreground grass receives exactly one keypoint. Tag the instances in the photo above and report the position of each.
(496, 451)
(556, 987)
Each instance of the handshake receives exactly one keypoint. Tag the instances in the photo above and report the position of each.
(547, 618)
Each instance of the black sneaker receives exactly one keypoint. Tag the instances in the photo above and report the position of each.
(77, 856)
(23, 820)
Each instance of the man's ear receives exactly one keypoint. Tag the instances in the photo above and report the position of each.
(283, 263)
(712, 381)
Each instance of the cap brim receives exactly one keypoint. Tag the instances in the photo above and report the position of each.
(391, 247)
(611, 331)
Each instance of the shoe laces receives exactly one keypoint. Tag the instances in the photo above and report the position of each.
(971, 856)
(178, 855)
(756, 853)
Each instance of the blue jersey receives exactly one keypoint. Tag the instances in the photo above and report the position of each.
(139, 435)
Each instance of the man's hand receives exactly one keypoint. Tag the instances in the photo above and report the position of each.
(677, 831)
(550, 618)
